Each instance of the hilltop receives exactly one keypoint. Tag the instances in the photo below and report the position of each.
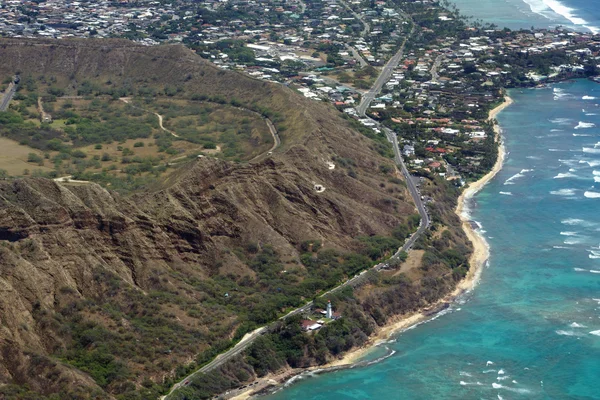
(113, 294)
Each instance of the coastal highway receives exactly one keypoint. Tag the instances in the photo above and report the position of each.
(8, 95)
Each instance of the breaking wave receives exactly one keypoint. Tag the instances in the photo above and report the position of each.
(563, 192)
(592, 195)
(584, 125)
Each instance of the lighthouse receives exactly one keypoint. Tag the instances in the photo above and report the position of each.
(329, 312)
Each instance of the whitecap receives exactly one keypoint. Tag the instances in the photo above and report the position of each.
(561, 121)
(591, 150)
(576, 325)
(516, 390)
(573, 240)
(593, 271)
(503, 378)
(591, 114)
(588, 98)
(556, 130)
(597, 333)
(582, 134)
(569, 233)
(580, 269)
(510, 180)
(594, 254)
(585, 125)
(563, 192)
(591, 163)
(506, 193)
(489, 363)
(592, 195)
(565, 175)
(463, 373)
(501, 372)
(567, 333)
(576, 221)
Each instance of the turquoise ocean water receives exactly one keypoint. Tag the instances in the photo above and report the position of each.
(531, 328)
(581, 15)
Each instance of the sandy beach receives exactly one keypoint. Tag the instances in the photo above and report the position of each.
(402, 322)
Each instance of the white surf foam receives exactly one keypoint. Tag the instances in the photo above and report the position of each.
(580, 269)
(585, 125)
(597, 333)
(591, 163)
(591, 150)
(568, 233)
(588, 98)
(565, 175)
(510, 180)
(593, 271)
(489, 363)
(547, 8)
(591, 195)
(516, 390)
(573, 240)
(506, 193)
(576, 325)
(563, 192)
(561, 121)
(582, 134)
(463, 373)
(577, 221)
(591, 114)
(567, 333)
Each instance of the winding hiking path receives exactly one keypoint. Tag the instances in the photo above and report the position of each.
(160, 117)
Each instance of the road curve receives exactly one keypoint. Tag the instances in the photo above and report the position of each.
(8, 95)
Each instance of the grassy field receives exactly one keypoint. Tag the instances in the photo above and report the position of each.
(13, 157)
(114, 139)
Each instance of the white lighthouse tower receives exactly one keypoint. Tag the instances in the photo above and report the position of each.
(329, 312)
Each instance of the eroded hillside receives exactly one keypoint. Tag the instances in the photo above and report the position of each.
(116, 292)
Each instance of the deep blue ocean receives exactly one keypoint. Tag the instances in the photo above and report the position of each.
(580, 15)
(531, 328)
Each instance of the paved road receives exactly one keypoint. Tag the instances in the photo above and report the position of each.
(8, 95)
(384, 76)
(363, 63)
(434, 68)
(276, 140)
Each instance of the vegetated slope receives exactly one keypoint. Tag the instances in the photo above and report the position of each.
(106, 293)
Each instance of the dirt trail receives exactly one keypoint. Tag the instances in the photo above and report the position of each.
(160, 118)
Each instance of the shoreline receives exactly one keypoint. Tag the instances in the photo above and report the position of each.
(401, 323)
